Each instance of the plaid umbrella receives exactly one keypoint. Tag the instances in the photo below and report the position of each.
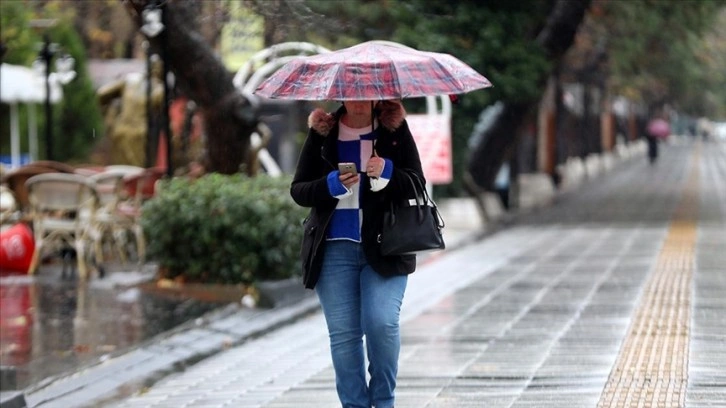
(371, 71)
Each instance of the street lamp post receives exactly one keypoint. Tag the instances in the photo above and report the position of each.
(46, 56)
(63, 75)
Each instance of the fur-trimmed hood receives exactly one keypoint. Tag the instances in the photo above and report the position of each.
(390, 115)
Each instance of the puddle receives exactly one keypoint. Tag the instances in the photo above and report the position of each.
(50, 326)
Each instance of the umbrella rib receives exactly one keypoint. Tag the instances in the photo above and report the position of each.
(334, 84)
(395, 80)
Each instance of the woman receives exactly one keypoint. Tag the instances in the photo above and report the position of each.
(360, 290)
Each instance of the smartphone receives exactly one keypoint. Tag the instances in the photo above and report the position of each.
(347, 168)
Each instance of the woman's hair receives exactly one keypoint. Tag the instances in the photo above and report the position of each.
(388, 106)
(389, 103)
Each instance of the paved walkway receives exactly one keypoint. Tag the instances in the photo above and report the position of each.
(614, 297)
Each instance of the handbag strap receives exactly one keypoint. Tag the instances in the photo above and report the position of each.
(419, 206)
(419, 190)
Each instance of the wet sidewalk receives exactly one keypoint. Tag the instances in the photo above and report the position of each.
(609, 298)
(574, 306)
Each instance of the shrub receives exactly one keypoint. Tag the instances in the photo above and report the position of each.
(224, 229)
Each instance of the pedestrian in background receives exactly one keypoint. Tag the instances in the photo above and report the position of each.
(658, 128)
(704, 128)
(360, 290)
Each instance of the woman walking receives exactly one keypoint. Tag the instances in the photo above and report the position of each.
(360, 290)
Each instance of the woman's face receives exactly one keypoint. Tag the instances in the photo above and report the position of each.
(358, 107)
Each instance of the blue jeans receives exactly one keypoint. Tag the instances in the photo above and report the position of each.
(357, 301)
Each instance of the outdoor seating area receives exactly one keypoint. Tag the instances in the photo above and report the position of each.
(81, 216)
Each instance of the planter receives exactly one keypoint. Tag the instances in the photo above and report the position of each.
(214, 293)
(281, 293)
(269, 294)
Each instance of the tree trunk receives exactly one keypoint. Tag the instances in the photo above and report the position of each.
(555, 38)
(229, 117)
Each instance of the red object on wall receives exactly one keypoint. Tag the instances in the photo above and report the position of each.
(16, 249)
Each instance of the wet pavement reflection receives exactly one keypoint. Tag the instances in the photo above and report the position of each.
(50, 326)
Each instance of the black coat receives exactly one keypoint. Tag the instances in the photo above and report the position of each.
(319, 156)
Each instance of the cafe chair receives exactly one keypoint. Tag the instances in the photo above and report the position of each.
(62, 211)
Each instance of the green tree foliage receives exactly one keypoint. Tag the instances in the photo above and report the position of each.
(711, 56)
(77, 118)
(18, 42)
(339, 24)
(15, 35)
(495, 38)
(655, 49)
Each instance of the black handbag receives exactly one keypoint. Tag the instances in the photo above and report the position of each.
(412, 226)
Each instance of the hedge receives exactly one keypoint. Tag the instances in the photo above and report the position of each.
(224, 229)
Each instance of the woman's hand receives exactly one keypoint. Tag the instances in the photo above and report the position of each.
(375, 165)
(348, 179)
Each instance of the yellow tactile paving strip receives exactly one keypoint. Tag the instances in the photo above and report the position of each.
(651, 370)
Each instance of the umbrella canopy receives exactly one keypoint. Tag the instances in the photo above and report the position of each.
(371, 71)
(659, 128)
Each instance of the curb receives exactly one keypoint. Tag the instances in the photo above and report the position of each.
(12, 399)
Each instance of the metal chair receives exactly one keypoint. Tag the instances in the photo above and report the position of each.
(124, 168)
(63, 209)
